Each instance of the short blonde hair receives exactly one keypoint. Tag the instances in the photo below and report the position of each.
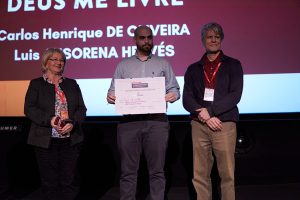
(47, 54)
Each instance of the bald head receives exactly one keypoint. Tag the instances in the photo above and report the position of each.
(140, 28)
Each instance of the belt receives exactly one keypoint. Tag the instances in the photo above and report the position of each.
(145, 117)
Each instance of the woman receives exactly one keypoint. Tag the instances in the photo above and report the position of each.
(55, 106)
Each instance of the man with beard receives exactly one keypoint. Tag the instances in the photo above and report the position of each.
(147, 133)
(212, 89)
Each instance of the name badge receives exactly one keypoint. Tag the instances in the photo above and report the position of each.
(209, 94)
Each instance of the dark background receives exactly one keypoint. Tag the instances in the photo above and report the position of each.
(267, 152)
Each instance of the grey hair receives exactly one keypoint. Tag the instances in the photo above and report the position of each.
(217, 28)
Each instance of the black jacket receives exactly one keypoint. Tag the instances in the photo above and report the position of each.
(40, 108)
(228, 89)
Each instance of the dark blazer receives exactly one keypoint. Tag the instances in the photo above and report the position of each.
(228, 89)
(39, 108)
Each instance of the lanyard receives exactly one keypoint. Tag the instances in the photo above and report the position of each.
(61, 95)
(214, 74)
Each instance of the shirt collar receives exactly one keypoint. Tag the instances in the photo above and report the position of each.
(148, 57)
(202, 60)
(45, 77)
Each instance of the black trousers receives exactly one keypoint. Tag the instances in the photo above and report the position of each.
(58, 169)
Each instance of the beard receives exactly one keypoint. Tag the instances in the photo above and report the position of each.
(146, 48)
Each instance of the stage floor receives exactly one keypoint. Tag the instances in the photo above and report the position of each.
(289, 191)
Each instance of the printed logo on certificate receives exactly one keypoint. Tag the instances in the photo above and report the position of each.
(140, 95)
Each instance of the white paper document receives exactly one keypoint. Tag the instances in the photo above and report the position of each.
(140, 95)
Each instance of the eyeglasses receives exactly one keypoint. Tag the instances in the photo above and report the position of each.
(56, 60)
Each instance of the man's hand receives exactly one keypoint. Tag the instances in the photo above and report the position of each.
(214, 124)
(111, 98)
(203, 115)
(170, 97)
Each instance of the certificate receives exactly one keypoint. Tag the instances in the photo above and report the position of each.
(140, 95)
